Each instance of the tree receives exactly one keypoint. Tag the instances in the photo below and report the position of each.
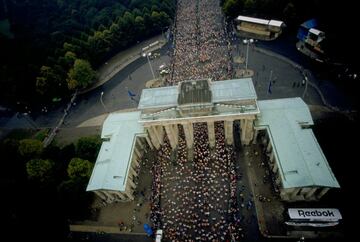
(47, 80)
(39, 169)
(88, 147)
(70, 58)
(232, 8)
(30, 148)
(81, 75)
(79, 168)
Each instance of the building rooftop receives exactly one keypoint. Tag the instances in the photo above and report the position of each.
(233, 90)
(220, 91)
(271, 22)
(300, 158)
(161, 97)
(114, 158)
(194, 92)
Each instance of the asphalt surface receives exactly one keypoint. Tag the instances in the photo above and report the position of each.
(88, 105)
(134, 76)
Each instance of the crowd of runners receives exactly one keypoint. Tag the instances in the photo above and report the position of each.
(194, 195)
(201, 46)
(195, 199)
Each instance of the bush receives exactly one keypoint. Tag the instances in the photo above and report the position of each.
(79, 168)
(40, 170)
(88, 147)
(30, 148)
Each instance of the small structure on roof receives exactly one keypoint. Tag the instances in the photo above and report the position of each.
(311, 39)
(259, 28)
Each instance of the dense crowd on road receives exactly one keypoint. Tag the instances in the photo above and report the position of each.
(201, 46)
(194, 195)
(195, 199)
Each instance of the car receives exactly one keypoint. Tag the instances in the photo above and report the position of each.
(164, 72)
(158, 235)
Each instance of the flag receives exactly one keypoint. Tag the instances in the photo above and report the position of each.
(269, 88)
(131, 94)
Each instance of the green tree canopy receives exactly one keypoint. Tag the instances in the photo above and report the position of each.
(79, 168)
(88, 147)
(39, 169)
(81, 75)
(47, 79)
(30, 148)
(232, 8)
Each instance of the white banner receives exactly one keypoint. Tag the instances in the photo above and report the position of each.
(315, 214)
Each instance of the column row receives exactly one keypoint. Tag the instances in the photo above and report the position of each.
(156, 133)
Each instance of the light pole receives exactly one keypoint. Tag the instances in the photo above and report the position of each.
(147, 56)
(101, 100)
(247, 41)
(306, 85)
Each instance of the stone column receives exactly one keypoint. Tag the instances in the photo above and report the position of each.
(255, 136)
(100, 194)
(129, 194)
(134, 161)
(172, 135)
(159, 133)
(275, 168)
(139, 143)
(294, 193)
(272, 156)
(323, 192)
(121, 195)
(268, 147)
(149, 142)
(229, 136)
(310, 193)
(249, 131)
(109, 197)
(278, 179)
(243, 124)
(189, 134)
(153, 137)
(132, 171)
(131, 183)
(137, 152)
(211, 133)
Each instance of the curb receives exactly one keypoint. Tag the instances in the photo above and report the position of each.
(119, 66)
(302, 70)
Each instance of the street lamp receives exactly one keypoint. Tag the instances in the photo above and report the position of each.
(306, 85)
(247, 41)
(101, 100)
(147, 56)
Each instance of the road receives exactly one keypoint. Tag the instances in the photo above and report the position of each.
(88, 105)
(285, 83)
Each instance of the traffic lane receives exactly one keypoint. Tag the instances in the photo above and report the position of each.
(115, 96)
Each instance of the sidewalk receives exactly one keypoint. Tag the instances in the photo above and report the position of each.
(99, 120)
(122, 59)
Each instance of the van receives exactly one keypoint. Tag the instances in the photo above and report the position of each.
(158, 235)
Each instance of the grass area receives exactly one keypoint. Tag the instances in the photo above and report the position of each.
(67, 136)
(19, 134)
(41, 134)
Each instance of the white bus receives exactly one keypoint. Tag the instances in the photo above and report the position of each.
(314, 217)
